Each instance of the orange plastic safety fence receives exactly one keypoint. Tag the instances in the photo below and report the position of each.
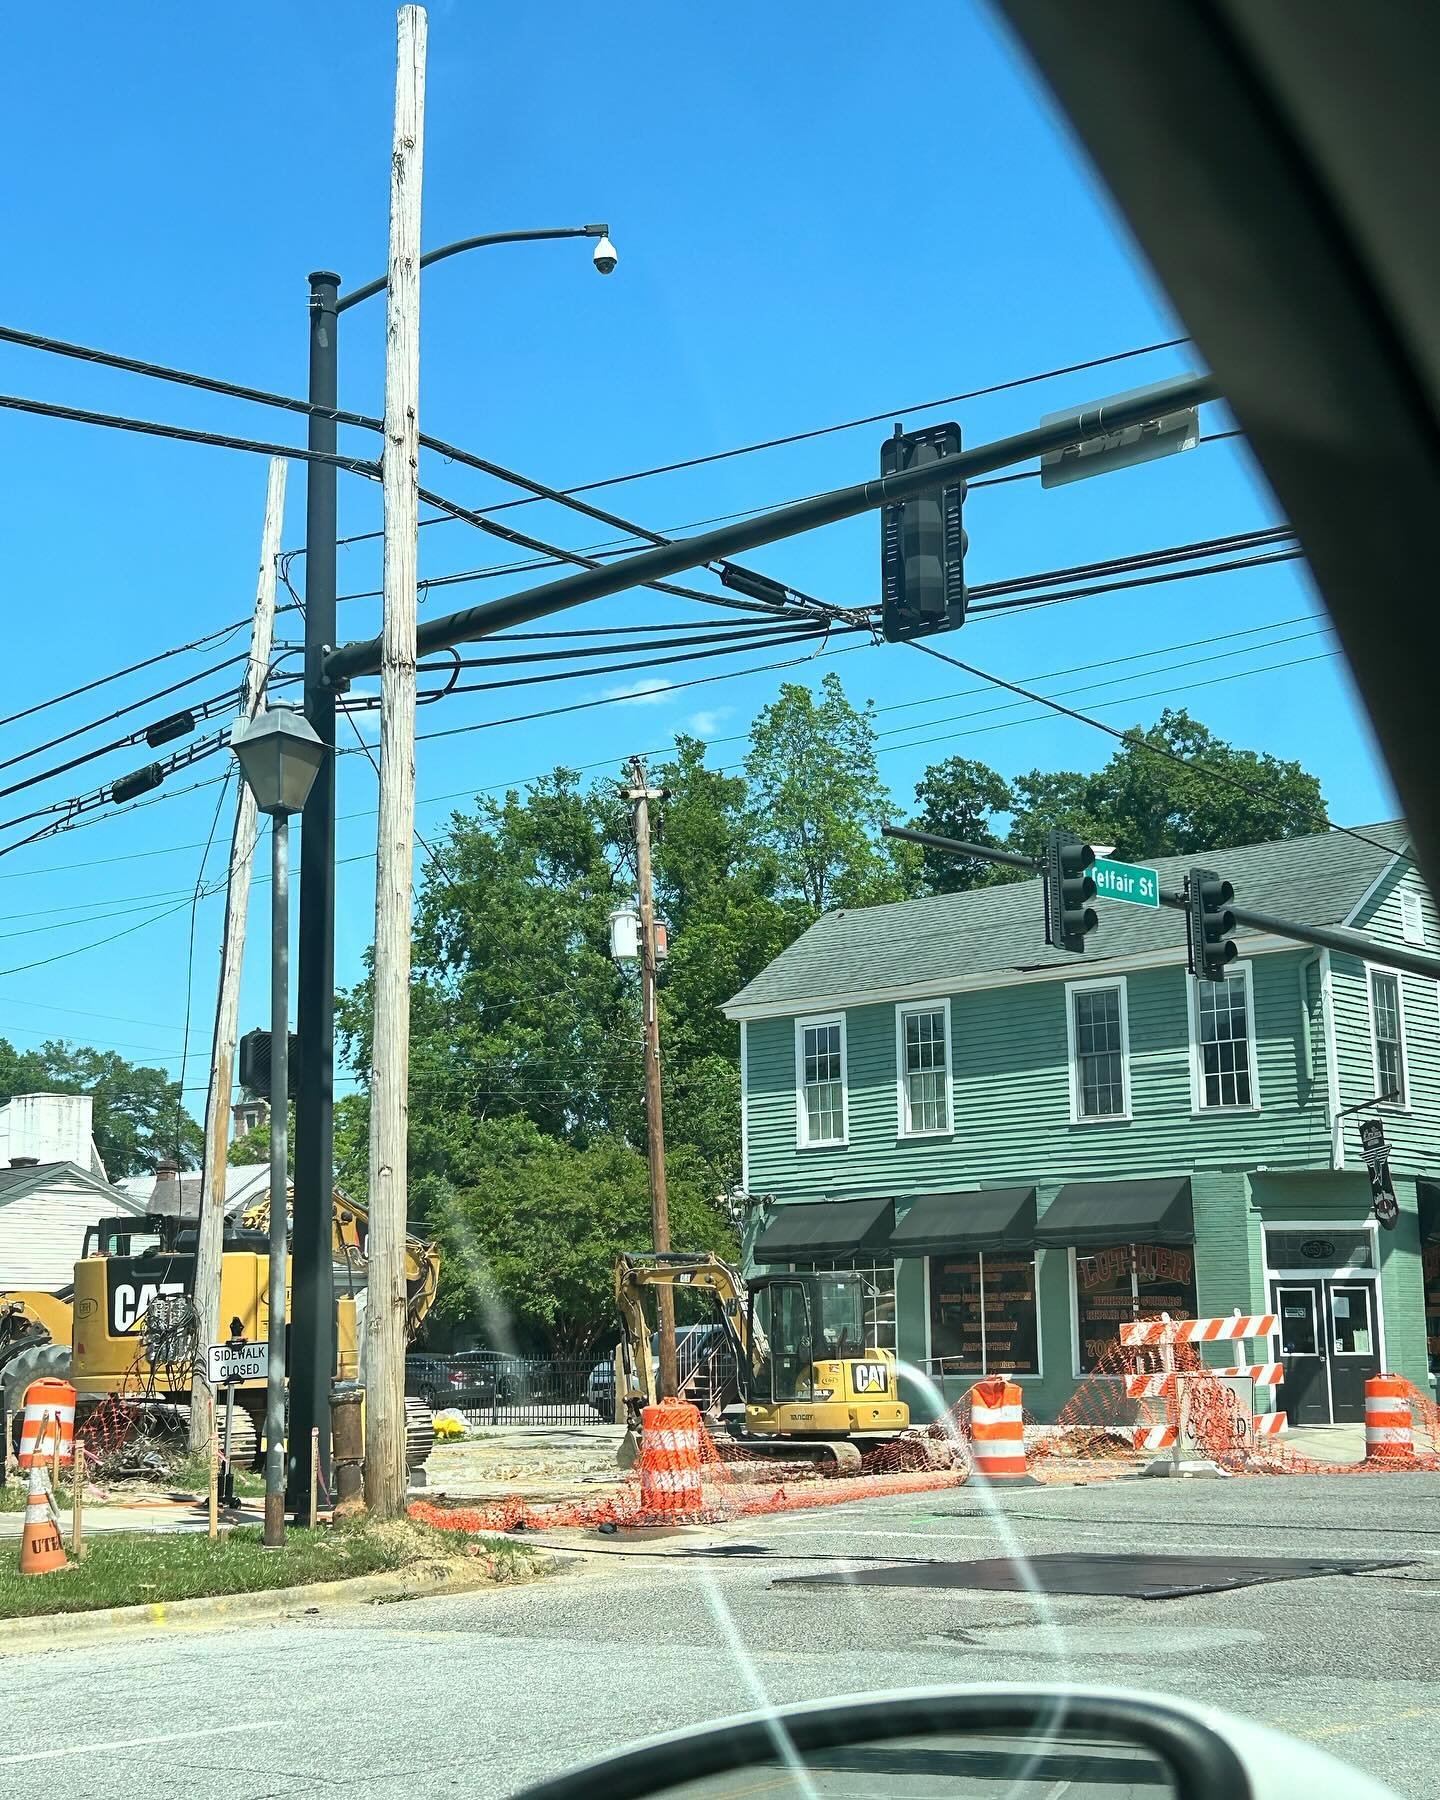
(732, 1486)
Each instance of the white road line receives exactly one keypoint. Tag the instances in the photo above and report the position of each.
(172, 1737)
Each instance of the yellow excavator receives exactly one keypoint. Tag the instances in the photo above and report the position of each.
(812, 1385)
(105, 1334)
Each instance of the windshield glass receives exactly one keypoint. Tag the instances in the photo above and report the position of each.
(717, 783)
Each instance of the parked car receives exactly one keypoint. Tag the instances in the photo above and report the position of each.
(466, 1379)
(693, 1347)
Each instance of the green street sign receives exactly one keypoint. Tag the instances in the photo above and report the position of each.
(1125, 881)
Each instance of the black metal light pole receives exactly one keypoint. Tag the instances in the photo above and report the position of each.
(312, 1302)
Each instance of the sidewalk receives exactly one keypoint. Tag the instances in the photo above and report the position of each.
(1326, 1443)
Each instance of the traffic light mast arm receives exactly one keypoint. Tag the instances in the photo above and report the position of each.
(363, 657)
(1325, 937)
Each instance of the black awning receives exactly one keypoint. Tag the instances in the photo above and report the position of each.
(1092, 1215)
(988, 1219)
(1427, 1193)
(801, 1232)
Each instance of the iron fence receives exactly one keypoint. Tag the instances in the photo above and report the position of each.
(489, 1388)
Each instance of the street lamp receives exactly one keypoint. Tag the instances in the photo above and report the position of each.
(279, 757)
(313, 1285)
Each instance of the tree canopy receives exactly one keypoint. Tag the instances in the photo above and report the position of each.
(139, 1116)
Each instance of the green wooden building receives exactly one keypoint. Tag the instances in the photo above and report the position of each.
(1022, 1147)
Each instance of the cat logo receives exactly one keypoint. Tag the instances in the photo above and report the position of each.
(870, 1378)
(130, 1299)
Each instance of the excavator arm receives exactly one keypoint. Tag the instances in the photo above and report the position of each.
(672, 1269)
(349, 1228)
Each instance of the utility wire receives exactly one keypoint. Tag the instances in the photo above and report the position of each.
(1129, 737)
(183, 434)
(199, 643)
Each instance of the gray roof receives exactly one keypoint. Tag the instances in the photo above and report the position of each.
(15, 1184)
(1315, 880)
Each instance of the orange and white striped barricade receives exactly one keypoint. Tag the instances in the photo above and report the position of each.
(1163, 1334)
(997, 1433)
(1271, 1424)
(670, 1482)
(48, 1424)
(42, 1549)
(1155, 1437)
(1137, 1334)
(1389, 1426)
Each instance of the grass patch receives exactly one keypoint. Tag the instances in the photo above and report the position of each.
(121, 1569)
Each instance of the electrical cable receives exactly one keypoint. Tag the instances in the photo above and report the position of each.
(751, 637)
(1129, 737)
(200, 643)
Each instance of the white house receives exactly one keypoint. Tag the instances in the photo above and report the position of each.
(52, 1186)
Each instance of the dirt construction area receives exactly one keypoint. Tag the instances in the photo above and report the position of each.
(561, 1462)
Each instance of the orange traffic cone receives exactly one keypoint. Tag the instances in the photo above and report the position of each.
(41, 1546)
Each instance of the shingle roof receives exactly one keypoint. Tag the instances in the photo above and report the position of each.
(1314, 880)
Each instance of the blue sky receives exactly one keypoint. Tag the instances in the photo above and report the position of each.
(818, 217)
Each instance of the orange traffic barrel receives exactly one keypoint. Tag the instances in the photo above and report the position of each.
(41, 1546)
(670, 1485)
(1389, 1428)
(49, 1414)
(997, 1431)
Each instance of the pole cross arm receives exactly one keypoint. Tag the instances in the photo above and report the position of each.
(363, 657)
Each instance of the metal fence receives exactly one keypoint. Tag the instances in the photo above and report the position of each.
(487, 1388)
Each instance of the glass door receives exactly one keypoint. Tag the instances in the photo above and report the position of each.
(1305, 1392)
(1354, 1346)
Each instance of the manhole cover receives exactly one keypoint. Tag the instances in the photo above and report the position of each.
(1133, 1577)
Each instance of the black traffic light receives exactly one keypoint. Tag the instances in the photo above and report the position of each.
(254, 1069)
(1067, 888)
(922, 541)
(1210, 922)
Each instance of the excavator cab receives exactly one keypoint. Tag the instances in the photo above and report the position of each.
(796, 1323)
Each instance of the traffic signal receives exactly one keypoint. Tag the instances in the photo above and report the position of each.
(922, 541)
(1067, 888)
(254, 1069)
(1210, 921)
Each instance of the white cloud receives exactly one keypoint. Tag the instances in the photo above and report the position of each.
(368, 720)
(652, 690)
(704, 724)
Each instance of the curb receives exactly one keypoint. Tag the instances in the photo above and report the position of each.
(429, 1581)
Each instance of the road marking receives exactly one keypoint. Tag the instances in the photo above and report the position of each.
(140, 1743)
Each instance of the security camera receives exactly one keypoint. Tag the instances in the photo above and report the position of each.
(605, 256)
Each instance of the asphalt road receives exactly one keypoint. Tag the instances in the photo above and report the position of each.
(480, 1694)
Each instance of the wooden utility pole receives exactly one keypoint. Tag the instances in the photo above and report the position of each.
(640, 794)
(210, 1233)
(384, 1364)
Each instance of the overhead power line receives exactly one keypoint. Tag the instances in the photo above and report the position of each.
(1129, 737)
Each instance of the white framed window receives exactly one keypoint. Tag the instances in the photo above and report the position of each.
(821, 1115)
(1110, 1287)
(922, 1068)
(983, 1314)
(1412, 919)
(1387, 1033)
(1098, 1033)
(1224, 1075)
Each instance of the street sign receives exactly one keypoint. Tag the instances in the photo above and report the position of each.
(229, 1363)
(1129, 882)
(1170, 431)
(1376, 1153)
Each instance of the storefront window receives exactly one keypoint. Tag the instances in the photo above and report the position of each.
(983, 1317)
(1128, 1281)
(1430, 1265)
(877, 1275)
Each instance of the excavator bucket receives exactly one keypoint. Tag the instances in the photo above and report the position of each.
(629, 1452)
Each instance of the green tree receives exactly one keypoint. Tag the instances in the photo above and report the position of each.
(529, 1229)
(817, 799)
(139, 1117)
(961, 798)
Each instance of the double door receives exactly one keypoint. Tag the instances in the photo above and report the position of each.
(1329, 1344)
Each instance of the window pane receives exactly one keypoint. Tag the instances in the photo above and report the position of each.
(1224, 1044)
(1103, 1302)
(1012, 1336)
(926, 1077)
(1430, 1269)
(824, 1091)
(1165, 1276)
(955, 1333)
(1389, 1054)
(1100, 1071)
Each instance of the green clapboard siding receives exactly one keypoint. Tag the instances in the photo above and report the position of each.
(1011, 1093)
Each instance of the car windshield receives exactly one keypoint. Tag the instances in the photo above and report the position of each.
(754, 791)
